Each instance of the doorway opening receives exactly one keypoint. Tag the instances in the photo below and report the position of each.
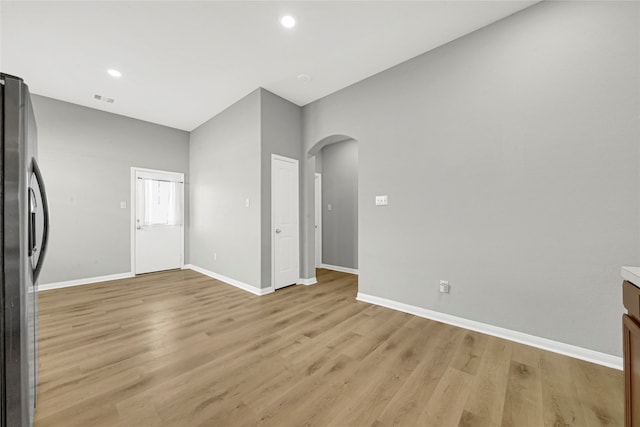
(336, 204)
(157, 220)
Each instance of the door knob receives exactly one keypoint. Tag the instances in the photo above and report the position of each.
(278, 231)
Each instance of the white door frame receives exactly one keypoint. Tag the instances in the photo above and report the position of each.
(318, 211)
(272, 232)
(132, 207)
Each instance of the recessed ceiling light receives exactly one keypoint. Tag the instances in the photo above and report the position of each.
(304, 78)
(114, 73)
(288, 21)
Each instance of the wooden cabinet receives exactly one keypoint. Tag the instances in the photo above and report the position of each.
(631, 337)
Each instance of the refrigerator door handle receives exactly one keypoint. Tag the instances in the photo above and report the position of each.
(45, 210)
(32, 221)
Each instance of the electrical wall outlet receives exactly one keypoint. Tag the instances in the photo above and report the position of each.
(444, 287)
(215, 256)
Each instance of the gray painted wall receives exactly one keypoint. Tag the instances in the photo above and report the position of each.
(340, 189)
(225, 171)
(319, 162)
(85, 156)
(511, 161)
(281, 133)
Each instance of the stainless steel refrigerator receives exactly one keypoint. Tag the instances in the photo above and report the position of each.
(24, 230)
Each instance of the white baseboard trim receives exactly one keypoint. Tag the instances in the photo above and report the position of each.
(87, 281)
(307, 282)
(229, 280)
(603, 359)
(339, 268)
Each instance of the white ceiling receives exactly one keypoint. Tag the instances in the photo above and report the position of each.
(184, 62)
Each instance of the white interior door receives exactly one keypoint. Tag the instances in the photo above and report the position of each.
(284, 219)
(158, 220)
(318, 219)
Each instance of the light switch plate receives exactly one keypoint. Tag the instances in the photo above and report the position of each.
(123, 205)
(382, 200)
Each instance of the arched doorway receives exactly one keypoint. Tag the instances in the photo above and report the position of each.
(335, 203)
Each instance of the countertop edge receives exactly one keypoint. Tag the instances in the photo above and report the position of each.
(631, 274)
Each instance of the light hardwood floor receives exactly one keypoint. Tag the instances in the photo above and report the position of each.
(181, 349)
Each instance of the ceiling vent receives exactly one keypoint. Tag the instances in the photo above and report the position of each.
(104, 99)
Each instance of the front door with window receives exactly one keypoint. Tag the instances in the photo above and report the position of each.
(158, 220)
